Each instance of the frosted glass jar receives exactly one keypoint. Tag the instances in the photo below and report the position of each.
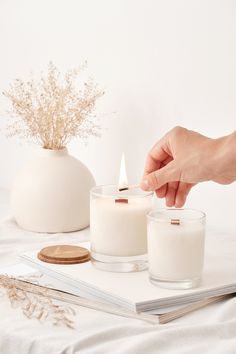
(118, 226)
(176, 247)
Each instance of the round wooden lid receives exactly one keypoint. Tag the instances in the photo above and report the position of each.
(64, 254)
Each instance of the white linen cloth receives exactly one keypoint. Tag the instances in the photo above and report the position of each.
(209, 330)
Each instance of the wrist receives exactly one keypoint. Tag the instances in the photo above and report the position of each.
(224, 159)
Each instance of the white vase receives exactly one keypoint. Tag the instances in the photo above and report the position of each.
(51, 193)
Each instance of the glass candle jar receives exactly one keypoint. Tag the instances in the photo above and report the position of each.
(118, 227)
(176, 247)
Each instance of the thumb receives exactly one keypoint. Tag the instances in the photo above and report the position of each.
(158, 178)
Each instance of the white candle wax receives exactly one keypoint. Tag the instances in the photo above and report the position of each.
(119, 229)
(175, 252)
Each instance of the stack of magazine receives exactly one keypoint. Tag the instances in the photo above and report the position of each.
(133, 291)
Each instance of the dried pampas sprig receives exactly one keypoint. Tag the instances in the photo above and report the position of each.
(54, 109)
(36, 304)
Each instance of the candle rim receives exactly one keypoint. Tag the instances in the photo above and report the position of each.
(151, 215)
(118, 194)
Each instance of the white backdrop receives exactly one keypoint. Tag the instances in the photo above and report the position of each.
(161, 63)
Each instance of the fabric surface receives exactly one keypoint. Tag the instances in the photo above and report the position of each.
(209, 330)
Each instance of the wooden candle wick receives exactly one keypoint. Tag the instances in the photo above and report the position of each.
(126, 188)
(121, 200)
(175, 221)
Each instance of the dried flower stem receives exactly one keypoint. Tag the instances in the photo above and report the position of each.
(36, 302)
(34, 288)
(53, 110)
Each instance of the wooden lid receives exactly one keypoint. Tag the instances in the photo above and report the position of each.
(64, 254)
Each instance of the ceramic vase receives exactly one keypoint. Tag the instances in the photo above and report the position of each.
(51, 193)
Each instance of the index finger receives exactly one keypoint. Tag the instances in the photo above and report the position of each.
(157, 155)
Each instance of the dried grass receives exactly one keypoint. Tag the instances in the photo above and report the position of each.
(53, 109)
(36, 302)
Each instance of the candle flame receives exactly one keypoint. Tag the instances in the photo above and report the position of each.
(123, 181)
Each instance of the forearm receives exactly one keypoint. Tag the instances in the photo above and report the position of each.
(223, 161)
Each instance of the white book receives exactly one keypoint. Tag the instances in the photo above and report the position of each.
(134, 291)
(58, 290)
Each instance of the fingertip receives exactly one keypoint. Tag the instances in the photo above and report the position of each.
(179, 204)
(180, 201)
(169, 203)
(161, 192)
(145, 185)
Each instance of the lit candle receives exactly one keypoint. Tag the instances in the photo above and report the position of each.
(176, 247)
(118, 226)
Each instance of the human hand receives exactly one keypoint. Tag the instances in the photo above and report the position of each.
(183, 158)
